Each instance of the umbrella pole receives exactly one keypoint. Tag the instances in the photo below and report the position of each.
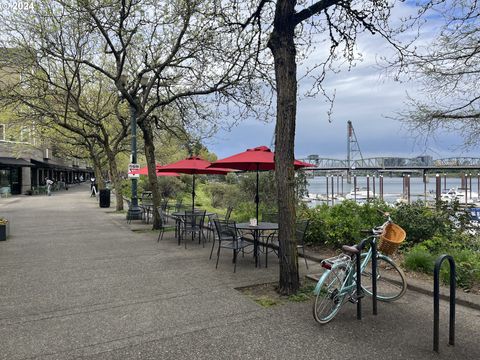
(193, 208)
(193, 193)
(257, 198)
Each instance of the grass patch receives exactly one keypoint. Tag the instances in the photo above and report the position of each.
(304, 294)
(266, 301)
(266, 295)
(420, 259)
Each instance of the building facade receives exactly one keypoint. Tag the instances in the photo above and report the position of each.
(24, 167)
(25, 163)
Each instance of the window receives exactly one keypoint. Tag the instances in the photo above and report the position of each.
(25, 134)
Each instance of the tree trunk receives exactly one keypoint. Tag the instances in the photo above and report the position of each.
(282, 45)
(116, 180)
(147, 132)
(97, 168)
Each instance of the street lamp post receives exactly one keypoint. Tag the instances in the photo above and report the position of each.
(134, 211)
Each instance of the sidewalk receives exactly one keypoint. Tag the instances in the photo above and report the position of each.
(77, 282)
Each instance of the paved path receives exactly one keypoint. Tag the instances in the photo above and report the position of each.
(77, 282)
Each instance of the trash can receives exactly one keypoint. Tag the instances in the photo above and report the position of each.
(105, 198)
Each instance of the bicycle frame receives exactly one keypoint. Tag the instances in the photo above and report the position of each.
(342, 279)
(349, 283)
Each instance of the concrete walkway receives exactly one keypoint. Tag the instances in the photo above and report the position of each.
(77, 282)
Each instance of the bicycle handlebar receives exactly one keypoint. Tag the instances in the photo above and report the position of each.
(378, 230)
(385, 214)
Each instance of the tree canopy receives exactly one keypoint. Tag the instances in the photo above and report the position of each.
(447, 67)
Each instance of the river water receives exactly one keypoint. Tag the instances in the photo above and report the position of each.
(392, 186)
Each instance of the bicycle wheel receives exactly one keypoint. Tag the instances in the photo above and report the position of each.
(391, 282)
(330, 298)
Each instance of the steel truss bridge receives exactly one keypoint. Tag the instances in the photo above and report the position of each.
(424, 163)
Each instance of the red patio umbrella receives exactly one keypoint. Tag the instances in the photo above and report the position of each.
(144, 171)
(256, 159)
(193, 165)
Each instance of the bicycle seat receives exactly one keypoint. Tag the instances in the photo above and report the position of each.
(350, 249)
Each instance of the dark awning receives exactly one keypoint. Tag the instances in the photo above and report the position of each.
(44, 164)
(14, 162)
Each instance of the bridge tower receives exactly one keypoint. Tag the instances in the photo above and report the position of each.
(353, 149)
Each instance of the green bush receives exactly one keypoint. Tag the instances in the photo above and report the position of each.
(420, 222)
(453, 242)
(266, 187)
(467, 262)
(467, 268)
(244, 211)
(223, 194)
(430, 232)
(170, 187)
(420, 259)
(126, 188)
(343, 223)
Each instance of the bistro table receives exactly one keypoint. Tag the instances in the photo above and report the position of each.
(179, 216)
(148, 209)
(147, 195)
(255, 230)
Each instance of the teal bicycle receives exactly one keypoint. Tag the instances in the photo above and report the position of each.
(337, 285)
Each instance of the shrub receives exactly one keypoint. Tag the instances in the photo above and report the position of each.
(223, 194)
(419, 222)
(343, 223)
(467, 268)
(243, 211)
(419, 259)
(126, 188)
(446, 243)
(467, 262)
(170, 187)
(266, 186)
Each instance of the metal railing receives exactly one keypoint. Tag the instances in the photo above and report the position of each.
(373, 244)
(436, 301)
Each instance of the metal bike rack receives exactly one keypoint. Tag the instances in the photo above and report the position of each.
(436, 301)
(373, 244)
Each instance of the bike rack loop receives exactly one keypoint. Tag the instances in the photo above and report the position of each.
(436, 301)
(373, 244)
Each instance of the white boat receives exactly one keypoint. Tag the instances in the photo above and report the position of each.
(310, 197)
(459, 195)
(360, 194)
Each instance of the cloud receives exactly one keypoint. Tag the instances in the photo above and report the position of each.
(363, 95)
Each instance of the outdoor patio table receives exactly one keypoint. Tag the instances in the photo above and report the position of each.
(148, 206)
(180, 215)
(256, 230)
(147, 195)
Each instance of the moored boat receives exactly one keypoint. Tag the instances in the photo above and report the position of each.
(460, 195)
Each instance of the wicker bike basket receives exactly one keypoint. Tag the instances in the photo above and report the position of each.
(391, 238)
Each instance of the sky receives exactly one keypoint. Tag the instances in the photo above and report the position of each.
(366, 96)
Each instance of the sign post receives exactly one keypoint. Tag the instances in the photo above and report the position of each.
(131, 168)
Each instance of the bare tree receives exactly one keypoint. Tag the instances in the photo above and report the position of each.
(71, 101)
(448, 70)
(296, 25)
(183, 49)
(157, 53)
